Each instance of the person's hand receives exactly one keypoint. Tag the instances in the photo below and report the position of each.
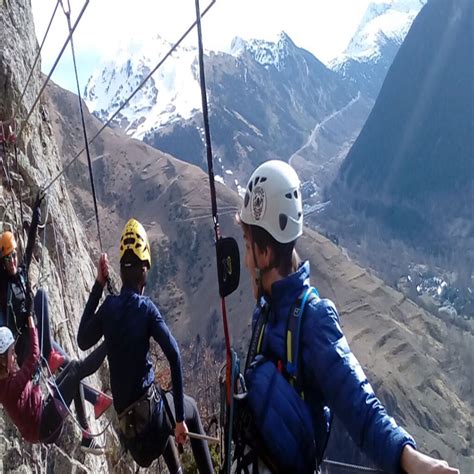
(180, 432)
(414, 462)
(103, 269)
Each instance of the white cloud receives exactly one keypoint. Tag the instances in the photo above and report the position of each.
(324, 27)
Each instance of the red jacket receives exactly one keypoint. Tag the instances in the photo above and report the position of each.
(22, 400)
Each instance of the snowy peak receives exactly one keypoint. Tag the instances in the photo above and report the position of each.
(171, 94)
(383, 21)
(376, 42)
(267, 53)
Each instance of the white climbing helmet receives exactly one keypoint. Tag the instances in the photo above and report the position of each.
(273, 201)
(6, 339)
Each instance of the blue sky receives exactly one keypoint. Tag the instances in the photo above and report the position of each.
(324, 27)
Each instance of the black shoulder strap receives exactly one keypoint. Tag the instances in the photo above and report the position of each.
(257, 335)
(293, 335)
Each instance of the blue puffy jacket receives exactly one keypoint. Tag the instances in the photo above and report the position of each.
(331, 375)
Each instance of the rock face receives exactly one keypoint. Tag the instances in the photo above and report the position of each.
(61, 262)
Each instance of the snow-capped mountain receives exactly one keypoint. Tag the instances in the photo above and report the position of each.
(374, 45)
(172, 93)
(267, 53)
(267, 100)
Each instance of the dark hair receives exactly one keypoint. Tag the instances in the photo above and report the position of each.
(133, 271)
(285, 258)
(4, 363)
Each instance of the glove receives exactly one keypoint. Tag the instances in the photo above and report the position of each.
(29, 299)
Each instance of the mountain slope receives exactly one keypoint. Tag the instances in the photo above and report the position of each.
(373, 47)
(412, 162)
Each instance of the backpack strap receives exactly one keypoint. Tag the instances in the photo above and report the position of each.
(293, 336)
(258, 332)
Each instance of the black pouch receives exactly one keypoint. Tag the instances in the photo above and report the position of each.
(228, 265)
(135, 419)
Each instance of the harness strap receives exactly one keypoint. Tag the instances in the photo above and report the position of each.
(293, 336)
(149, 394)
(169, 413)
(257, 335)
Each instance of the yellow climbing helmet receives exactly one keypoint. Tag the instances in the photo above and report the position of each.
(7, 243)
(134, 241)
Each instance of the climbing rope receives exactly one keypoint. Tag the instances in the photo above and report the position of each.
(130, 97)
(25, 121)
(226, 251)
(353, 467)
(6, 170)
(38, 54)
(41, 272)
(67, 13)
(20, 199)
(212, 186)
(52, 381)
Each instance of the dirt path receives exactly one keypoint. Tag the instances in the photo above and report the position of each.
(311, 140)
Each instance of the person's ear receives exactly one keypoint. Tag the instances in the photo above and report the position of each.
(264, 256)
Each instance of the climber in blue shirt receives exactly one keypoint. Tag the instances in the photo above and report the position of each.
(127, 322)
(332, 379)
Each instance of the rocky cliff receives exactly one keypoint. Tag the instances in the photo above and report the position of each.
(61, 262)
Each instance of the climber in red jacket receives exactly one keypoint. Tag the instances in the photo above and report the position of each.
(41, 420)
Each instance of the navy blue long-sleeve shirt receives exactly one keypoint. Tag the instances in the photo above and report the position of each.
(127, 321)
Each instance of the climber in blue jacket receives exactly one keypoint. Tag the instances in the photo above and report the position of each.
(332, 379)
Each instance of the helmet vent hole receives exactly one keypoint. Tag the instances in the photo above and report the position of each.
(246, 199)
(262, 180)
(256, 180)
(250, 186)
(283, 218)
(295, 194)
(129, 241)
(288, 195)
(299, 215)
